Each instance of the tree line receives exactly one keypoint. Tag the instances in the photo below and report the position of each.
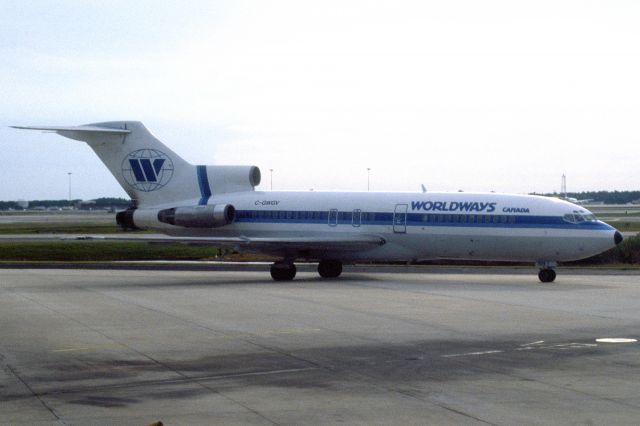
(97, 204)
(607, 197)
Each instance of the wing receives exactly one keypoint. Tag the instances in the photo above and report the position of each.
(268, 244)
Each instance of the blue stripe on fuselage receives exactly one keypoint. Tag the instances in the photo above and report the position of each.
(415, 219)
(203, 183)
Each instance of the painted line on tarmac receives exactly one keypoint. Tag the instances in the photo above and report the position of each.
(616, 340)
(472, 354)
(539, 345)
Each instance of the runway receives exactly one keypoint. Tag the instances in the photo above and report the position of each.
(233, 347)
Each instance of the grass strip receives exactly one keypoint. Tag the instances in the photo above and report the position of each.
(59, 228)
(103, 251)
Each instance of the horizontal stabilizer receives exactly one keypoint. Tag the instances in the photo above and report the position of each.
(85, 129)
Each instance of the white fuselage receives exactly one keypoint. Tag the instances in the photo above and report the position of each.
(415, 226)
(219, 205)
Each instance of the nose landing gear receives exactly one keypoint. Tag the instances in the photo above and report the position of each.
(547, 275)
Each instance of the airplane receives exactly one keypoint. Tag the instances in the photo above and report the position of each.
(219, 204)
(574, 200)
(563, 193)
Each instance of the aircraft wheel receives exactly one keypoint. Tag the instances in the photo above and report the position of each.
(547, 275)
(283, 271)
(330, 268)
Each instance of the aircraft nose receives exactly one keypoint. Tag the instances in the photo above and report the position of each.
(617, 237)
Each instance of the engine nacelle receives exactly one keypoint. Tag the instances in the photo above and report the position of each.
(225, 179)
(212, 216)
(124, 219)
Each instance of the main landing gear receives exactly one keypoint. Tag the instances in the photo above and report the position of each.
(547, 274)
(330, 268)
(286, 271)
(283, 271)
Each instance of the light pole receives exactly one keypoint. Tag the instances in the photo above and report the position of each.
(271, 179)
(368, 178)
(69, 173)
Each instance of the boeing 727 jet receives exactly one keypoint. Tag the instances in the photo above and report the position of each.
(219, 204)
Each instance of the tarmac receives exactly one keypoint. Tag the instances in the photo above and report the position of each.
(401, 346)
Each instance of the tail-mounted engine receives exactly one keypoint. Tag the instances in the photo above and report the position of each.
(208, 216)
(212, 216)
(225, 179)
(124, 219)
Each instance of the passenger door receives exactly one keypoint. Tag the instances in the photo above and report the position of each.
(333, 217)
(356, 218)
(400, 218)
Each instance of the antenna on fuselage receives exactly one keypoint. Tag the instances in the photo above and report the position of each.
(424, 188)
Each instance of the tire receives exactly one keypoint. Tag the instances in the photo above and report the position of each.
(547, 275)
(283, 271)
(330, 268)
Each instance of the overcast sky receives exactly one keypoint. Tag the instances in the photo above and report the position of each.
(472, 95)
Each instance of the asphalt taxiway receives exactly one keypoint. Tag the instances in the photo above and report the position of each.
(124, 346)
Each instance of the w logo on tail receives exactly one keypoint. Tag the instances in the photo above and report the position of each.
(147, 169)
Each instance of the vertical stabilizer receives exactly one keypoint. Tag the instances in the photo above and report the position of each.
(149, 171)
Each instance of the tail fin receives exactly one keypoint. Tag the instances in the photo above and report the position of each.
(150, 172)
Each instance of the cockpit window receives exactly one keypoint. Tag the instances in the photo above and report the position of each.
(579, 217)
